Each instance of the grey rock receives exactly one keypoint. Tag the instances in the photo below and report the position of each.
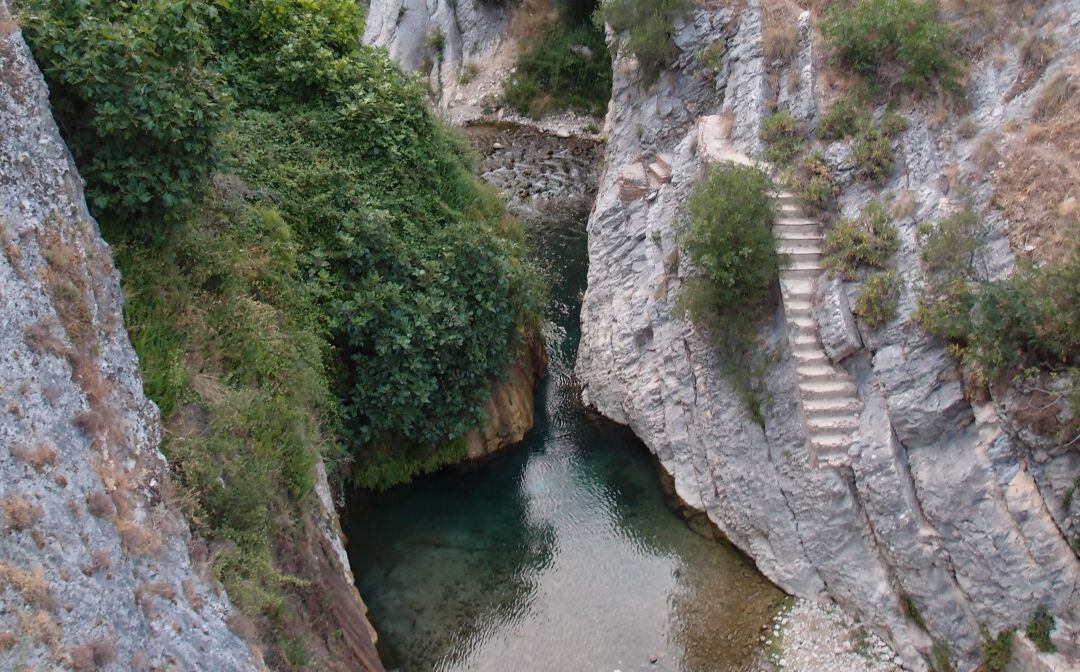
(70, 386)
(839, 333)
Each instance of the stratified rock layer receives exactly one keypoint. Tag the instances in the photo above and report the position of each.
(95, 571)
(935, 522)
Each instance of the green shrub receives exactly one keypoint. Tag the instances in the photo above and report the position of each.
(877, 298)
(877, 37)
(783, 138)
(416, 266)
(1039, 628)
(730, 238)
(842, 120)
(997, 651)
(1031, 319)
(893, 123)
(555, 73)
(868, 240)
(814, 185)
(135, 101)
(221, 313)
(873, 155)
(648, 28)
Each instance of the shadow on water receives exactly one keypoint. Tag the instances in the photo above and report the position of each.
(562, 553)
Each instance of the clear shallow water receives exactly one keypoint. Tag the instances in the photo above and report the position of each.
(561, 554)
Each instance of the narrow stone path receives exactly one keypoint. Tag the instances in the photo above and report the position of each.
(827, 396)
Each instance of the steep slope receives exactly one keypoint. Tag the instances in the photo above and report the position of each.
(95, 569)
(937, 527)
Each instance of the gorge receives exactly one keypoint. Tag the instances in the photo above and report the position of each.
(343, 308)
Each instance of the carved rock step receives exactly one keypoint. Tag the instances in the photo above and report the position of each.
(827, 389)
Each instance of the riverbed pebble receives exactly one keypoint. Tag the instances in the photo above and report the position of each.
(813, 637)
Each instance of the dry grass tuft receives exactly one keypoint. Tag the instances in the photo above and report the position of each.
(1052, 97)
(100, 504)
(19, 514)
(986, 156)
(40, 626)
(38, 455)
(191, 594)
(30, 584)
(781, 31)
(7, 640)
(243, 627)
(138, 539)
(904, 204)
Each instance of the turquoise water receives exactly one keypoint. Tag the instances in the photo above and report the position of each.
(559, 555)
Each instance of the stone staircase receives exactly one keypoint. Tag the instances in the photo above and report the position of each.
(828, 399)
(827, 396)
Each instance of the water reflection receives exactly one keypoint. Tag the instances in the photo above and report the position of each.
(560, 555)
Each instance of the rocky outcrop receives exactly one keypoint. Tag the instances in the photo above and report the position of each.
(98, 569)
(95, 571)
(940, 521)
(508, 412)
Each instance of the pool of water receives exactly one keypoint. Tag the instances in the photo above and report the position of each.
(559, 555)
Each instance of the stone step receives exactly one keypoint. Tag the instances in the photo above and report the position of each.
(796, 287)
(826, 389)
(805, 257)
(798, 303)
(820, 424)
(833, 405)
(800, 273)
(833, 441)
(797, 247)
(804, 313)
(789, 208)
(788, 222)
(810, 355)
(796, 231)
(802, 339)
(810, 372)
(803, 324)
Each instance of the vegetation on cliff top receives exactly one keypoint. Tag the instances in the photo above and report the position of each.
(309, 264)
(568, 67)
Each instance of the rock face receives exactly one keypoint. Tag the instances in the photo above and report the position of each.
(95, 571)
(938, 522)
(508, 412)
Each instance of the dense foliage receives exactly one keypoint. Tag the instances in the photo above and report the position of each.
(868, 240)
(416, 267)
(246, 413)
(1031, 319)
(1039, 628)
(783, 138)
(729, 238)
(648, 29)
(905, 40)
(568, 67)
(342, 280)
(134, 99)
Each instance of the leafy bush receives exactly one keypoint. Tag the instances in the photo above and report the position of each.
(939, 657)
(997, 651)
(1029, 319)
(868, 240)
(556, 73)
(877, 298)
(730, 239)
(814, 185)
(135, 101)
(783, 137)
(648, 28)
(1039, 628)
(842, 120)
(876, 37)
(223, 324)
(873, 155)
(416, 267)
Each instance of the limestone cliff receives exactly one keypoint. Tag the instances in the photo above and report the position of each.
(98, 569)
(95, 571)
(936, 520)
